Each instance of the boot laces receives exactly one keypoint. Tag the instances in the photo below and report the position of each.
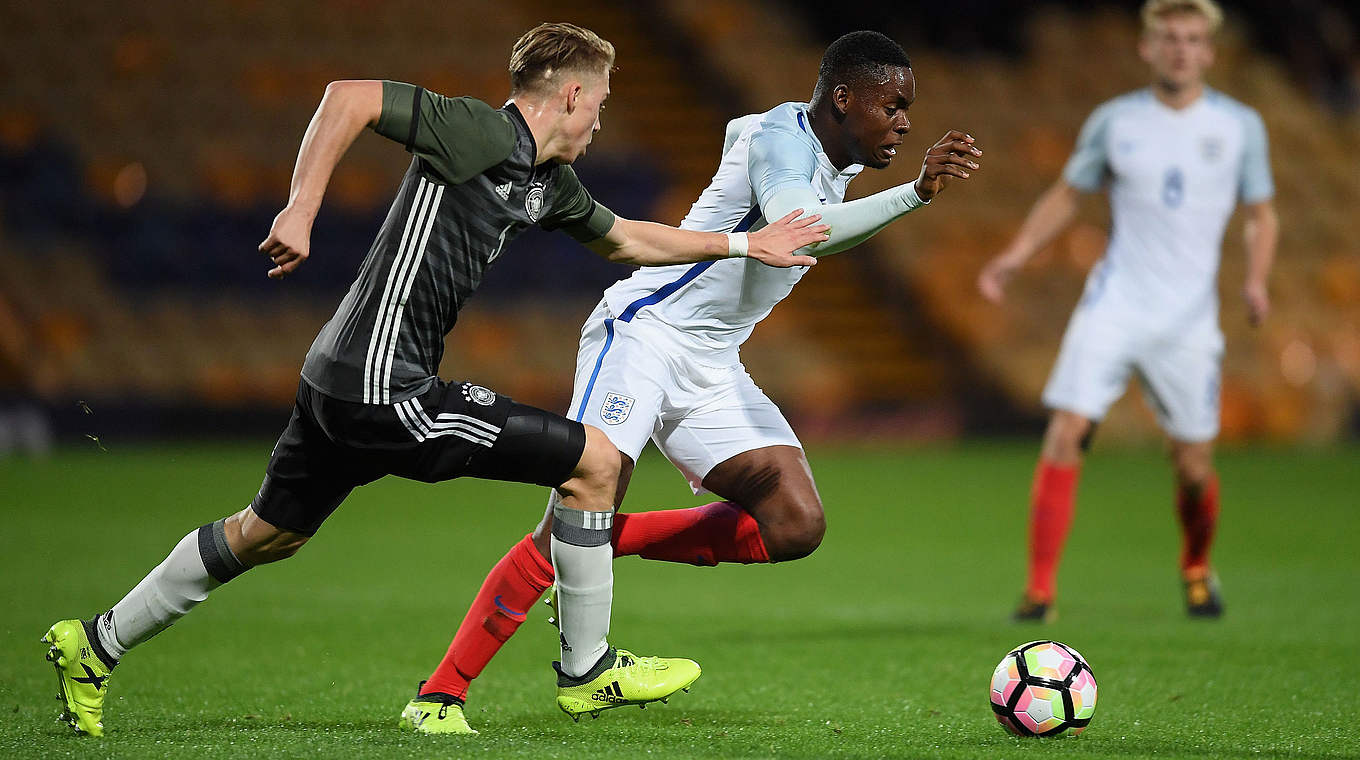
(629, 660)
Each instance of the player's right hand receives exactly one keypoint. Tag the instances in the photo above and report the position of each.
(288, 242)
(774, 244)
(992, 279)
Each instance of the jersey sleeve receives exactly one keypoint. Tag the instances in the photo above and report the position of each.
(1088, 167)
(573, 210)
(458, 137)
(779, 159)
(734, 129)
(1255, 184)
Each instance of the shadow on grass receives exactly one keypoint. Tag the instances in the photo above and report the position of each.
(894, 630)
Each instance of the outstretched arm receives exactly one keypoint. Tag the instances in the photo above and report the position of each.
(1051, 214)
(345, 110)
(1262, 232)
(652, 244)
(781, 178)
(1087, 170)
(649, 244)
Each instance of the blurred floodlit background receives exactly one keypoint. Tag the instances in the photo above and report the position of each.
(146, 146)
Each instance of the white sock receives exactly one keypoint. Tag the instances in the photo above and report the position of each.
(584, 563)
(199, 563)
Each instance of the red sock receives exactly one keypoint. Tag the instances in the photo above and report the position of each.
(707, 535)
(510, 589)
(1051, 504)
(1198, 511)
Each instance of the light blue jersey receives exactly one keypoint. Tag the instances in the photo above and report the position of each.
(1151, 305)
(714, 306)
(1174, 177)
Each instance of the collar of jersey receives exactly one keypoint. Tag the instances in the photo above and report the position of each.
(1206, 96)
(804, 124)
(513, 110)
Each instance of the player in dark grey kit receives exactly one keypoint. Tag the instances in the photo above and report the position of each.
(370, 402)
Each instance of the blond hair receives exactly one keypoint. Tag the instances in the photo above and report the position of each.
(547, 50)
(1155, 10)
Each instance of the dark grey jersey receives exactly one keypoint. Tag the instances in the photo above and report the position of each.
(471, 188)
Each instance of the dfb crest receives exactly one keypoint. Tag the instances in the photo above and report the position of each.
(478, 395)
(533, 201)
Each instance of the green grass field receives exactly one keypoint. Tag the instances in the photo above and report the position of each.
(879, 645)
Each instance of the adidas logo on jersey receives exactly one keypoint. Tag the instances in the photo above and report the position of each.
(503, 191)
(611, 693)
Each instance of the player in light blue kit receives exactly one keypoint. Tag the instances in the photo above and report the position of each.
(659, 358)
(1176, 158)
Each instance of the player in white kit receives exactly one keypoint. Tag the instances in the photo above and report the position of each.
(659, 357)
(1176, 158)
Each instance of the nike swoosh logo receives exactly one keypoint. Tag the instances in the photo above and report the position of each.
(505, 609)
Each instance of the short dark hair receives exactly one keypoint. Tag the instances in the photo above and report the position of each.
(859, 56)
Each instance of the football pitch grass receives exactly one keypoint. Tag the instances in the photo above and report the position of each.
(881, 644)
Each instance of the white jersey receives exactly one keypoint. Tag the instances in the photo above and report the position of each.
(713, 306)
(1151, 305)
(1174, 177)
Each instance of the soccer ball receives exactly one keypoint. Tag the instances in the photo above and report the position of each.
(1043, 688)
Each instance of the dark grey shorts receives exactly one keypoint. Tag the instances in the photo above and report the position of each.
(452, 430)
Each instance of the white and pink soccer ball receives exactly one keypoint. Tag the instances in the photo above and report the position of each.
(1043, 688)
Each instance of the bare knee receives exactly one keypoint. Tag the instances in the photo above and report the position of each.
(256, 542)
(596, 476)
(542, 534)
(1194, 464)
(1066, 438)
(796, 533)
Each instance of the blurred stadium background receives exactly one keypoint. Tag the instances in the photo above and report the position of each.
(145, 147)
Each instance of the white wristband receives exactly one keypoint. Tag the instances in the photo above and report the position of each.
(737, 245)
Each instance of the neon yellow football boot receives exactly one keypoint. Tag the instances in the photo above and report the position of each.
(435, 714)
(622, 678)
(82, 678)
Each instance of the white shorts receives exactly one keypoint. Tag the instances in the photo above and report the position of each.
(635, 382)
(1180, 373)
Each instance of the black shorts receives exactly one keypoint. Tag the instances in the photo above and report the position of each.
(452, 430)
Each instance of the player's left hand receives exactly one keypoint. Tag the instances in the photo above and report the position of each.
(955, 155)
(288, 242)
(1258, 302)
(775, 243)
